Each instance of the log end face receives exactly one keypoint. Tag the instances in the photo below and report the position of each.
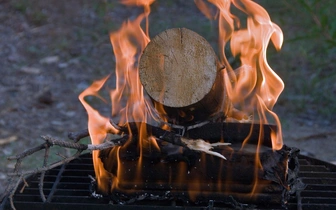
(178, 68)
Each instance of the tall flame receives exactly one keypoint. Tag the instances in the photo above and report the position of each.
(98, 127)
(253, 88)
(254, 84)
(127, 44)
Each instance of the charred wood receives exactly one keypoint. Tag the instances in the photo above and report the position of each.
(208, 176)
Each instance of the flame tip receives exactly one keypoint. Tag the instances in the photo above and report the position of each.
(252, 88)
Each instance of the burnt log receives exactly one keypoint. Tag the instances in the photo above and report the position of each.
(251, 173)
(229, 132)
(206, 177)
(180, 71)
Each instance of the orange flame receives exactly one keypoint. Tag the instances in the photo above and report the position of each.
(204, 9)
(98, 127)
(127, 79)
(145, 3)
(253, 88)
(127, 44)
(254, 84)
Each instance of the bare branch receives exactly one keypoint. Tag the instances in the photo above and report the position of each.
(25, 184)
(27, 152)
(12, 192)
(45, 162)
(76, 136)
(52, 141)
(17, 176)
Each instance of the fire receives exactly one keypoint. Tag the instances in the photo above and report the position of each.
(98, 127)
(253, 88)
(135, 109)
(254, 84)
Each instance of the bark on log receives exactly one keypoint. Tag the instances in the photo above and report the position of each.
(204, 175)
(179, 71)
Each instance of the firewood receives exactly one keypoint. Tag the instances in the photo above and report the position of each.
(179, 70)
(204, 175)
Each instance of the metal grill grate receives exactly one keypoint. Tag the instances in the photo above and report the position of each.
(68, 187)
(320, 178)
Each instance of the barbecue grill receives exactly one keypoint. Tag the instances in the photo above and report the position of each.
(70, 186)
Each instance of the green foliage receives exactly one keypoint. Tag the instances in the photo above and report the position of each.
(30, 10)
(316, 35)
(324, 17)
(19, 5)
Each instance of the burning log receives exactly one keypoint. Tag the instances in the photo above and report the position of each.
(204, 176)
(251, 173)
(180, 72)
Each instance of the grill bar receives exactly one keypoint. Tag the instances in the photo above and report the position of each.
(320, 180)
(68, 187)
(54, 187)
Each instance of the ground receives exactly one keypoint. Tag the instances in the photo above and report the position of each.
(52, 50)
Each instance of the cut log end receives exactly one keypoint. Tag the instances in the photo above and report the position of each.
(178, 68)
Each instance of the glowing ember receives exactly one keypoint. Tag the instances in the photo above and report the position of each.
(252, 89)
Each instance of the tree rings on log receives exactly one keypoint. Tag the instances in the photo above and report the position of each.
(179, 70)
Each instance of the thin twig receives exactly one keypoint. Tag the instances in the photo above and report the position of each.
(46, 168)
(39, 170)
(27, 152)
(89, 147)
(76, 136)
(60, 155)
(45, 163)
(25, 184)
(52, 141)
(49, 142)
(17, 176)
(12, 192)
